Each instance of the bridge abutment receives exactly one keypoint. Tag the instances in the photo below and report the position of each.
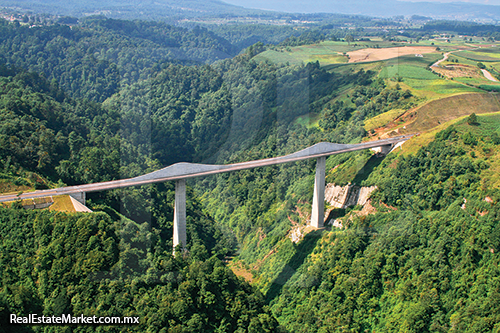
(180, 214)
(318, 206)
(80, 197)
(384, 150)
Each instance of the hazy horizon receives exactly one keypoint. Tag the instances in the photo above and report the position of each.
(274, 2)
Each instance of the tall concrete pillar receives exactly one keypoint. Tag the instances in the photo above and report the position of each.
(318, 206)
(80, 197)
(180, 214)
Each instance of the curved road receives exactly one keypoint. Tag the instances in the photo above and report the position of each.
(488, 75)
(190, 170)
(445, 57)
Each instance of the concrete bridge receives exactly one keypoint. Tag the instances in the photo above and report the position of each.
(181, 171)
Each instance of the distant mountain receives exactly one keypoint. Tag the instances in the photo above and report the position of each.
(130, 9)
(175, 10)
(382, 8)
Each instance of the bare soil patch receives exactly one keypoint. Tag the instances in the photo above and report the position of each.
(459, 71)
(372, 54)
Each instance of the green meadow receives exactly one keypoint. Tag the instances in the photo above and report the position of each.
(440, 86)
(407, 71)
(484, 54)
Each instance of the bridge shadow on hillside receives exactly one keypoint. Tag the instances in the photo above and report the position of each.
(302, 250)
(363, 174)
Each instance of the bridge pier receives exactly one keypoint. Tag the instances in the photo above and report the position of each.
(80, 197)
(180, 214)
(318, 206)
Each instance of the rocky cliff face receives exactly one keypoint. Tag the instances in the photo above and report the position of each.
(347, 196)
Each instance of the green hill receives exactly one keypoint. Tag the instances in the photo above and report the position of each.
(97, 102)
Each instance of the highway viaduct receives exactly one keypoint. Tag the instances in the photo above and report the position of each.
(181, 171)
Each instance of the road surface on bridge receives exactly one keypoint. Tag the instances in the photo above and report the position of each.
(190, 170)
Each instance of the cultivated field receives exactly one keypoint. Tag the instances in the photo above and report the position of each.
(330, 52)
(458, 70)
(483, 54)
(372, 54)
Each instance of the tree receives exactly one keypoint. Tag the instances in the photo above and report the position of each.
(472, 119)
(349, 39)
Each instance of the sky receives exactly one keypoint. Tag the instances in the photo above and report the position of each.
(486, 2)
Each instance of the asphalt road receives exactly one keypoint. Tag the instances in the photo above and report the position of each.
(191, 170)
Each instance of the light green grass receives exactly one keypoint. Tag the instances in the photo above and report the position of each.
(439, 86)
(475, 81)
(309, 120)
(461, 60)
(480, 56)
(407, 71)
(8, 187)
(491, 50)
(327, 52)
(440, 111)
(382, 119)
(62, 203)
(495, 65)
(491, 87)
(278, 57)
(302, 55)
(384, 65)
(425, 61)
(489, 122)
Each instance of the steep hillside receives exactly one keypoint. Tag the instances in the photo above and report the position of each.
(429, 262)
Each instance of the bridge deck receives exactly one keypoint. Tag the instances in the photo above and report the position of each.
(190, 170)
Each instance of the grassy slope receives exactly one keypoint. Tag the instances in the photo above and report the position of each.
(440, 111)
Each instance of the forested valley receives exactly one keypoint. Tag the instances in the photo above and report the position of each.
(109, 99)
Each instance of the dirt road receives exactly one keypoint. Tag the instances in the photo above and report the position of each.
(488, 75)
(445, 57)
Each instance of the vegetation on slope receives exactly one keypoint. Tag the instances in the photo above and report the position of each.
(428, 264)
(425, 262)
(96, 265)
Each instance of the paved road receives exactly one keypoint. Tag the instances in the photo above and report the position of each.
(190, 170)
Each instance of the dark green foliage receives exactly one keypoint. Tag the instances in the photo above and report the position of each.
(91, 60)
(433, 178)
(44, 131)
(88, 264)
(400, 272)
(472, 119)
(368, 98)
(462, 27)
(428, 266)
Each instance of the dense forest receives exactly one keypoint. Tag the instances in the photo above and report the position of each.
(107, 99)
(92, 59)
